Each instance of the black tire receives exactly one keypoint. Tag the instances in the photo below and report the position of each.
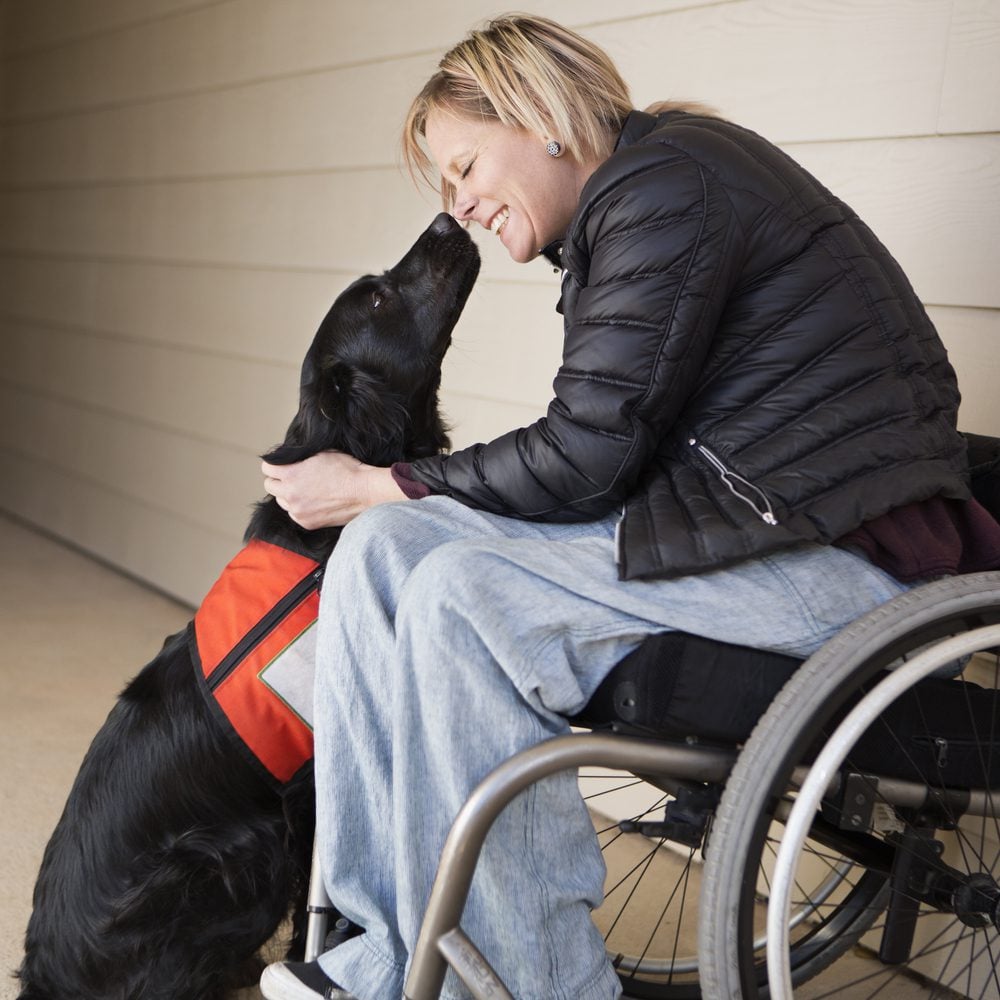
(806, 710)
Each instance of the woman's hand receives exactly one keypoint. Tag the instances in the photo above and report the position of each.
(328, 489)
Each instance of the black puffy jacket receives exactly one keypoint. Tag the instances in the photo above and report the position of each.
(745, 365)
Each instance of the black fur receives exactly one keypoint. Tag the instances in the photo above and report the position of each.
(174, 862)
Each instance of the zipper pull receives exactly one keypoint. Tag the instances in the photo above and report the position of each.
(729, 478)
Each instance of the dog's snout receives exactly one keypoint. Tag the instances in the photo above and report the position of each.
(444, 223)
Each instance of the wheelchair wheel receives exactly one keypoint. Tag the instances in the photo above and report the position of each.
(650, 915)
(910, 811)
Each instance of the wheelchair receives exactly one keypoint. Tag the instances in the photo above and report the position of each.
(883, 751)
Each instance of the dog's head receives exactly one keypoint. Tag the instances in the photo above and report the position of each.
(370, 380)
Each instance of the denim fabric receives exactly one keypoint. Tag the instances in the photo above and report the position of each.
(449, 639)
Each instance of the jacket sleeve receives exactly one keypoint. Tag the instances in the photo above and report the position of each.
(650, 260)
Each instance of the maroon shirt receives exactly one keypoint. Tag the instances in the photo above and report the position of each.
(936, 537)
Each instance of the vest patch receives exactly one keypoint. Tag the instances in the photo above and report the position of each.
(253, 645)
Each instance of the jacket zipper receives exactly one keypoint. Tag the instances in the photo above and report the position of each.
(246, 645)
(761, 507)
(619, 553)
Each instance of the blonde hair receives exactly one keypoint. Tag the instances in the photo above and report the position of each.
(526, 72)
(695, 108)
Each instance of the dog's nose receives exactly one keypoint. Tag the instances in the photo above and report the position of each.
(444, 223)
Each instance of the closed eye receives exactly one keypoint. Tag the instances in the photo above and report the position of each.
(465, 172)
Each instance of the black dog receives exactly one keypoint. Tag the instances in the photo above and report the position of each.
(176, 859)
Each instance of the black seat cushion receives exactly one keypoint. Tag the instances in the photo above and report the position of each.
(681, 685)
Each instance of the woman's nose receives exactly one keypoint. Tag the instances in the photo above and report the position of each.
(464, 206)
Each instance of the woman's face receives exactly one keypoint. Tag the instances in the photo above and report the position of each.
(505, 181)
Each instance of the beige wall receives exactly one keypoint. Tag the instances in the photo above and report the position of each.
(186, 184)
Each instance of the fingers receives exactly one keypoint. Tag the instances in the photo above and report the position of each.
(328, 489)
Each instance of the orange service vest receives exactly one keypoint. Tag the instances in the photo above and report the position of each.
(253, 644)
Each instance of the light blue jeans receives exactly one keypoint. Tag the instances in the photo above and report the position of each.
(449, 639)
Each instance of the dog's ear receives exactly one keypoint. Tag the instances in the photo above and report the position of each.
(314, 427)
(288, 454)
(371, 421)
(302, 439)
(308, 433)
(331, 393)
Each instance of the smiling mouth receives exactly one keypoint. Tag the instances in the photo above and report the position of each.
(499, 220)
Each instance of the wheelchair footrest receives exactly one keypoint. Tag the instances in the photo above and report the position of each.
(341, 931)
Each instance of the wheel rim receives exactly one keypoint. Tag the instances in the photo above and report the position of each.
(952, 952)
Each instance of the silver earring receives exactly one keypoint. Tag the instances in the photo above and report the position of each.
(553, 148)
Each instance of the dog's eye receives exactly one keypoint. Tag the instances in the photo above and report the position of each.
(376, 300)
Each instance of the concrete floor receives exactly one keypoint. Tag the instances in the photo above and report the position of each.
(75, 631)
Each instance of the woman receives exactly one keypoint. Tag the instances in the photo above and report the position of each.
(753, 430)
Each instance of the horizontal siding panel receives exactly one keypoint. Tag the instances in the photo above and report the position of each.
(176, 556)
(285, 125)
(46, 23)
(934, 202)
(232, 43)
(970, 96)
(972, 337)
(240, 404)
(328, 221)
(265, 315)
(792, 70)
(391, 28)
(508, 345)
(209, 485)
(474, 418)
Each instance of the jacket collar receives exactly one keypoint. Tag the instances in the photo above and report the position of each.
(636, 125)
(552, 252)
